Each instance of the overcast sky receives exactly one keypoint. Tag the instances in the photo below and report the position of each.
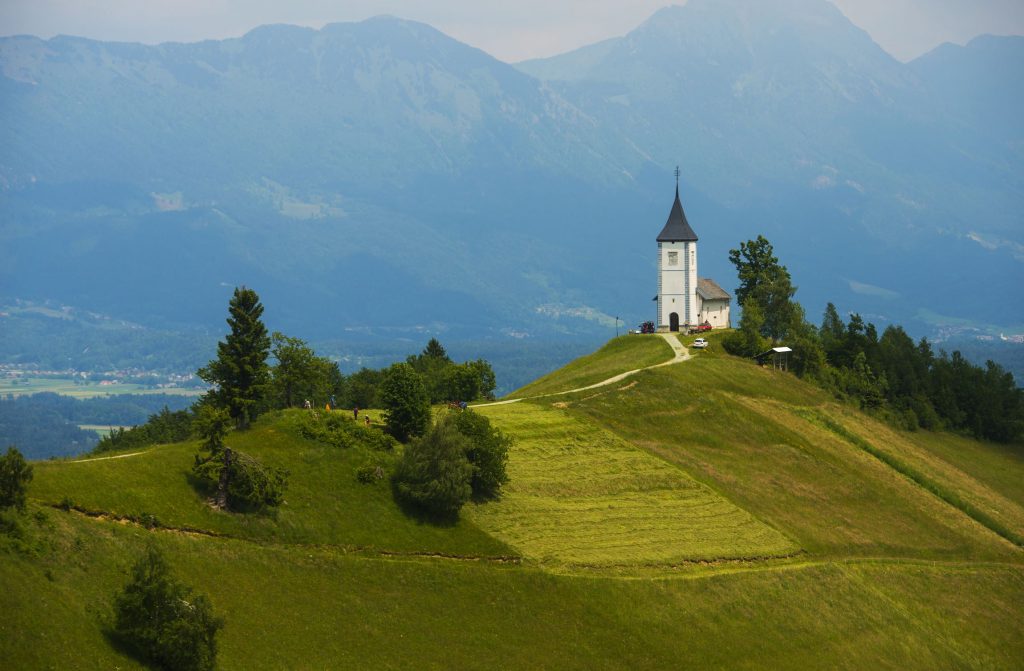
(509, 30)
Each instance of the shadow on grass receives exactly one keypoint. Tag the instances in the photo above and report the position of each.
(124, 646)
(422, 515)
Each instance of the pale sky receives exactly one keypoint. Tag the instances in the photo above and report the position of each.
(509, 30)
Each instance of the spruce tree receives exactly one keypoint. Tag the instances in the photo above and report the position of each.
(240, 372)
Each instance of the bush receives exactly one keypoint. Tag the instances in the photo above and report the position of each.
(406, 403)
(250, 483)
(487, 452)
(370, 472)
(339, 430)
(434, 473)
(158, 617)
(15, 474)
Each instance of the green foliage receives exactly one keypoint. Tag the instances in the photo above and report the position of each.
(361, 389)
(905, 383)
(240, 373)
(434, 350)
(161, 428)
(372, 471)
(446, 380)
(15, 474)
(338, 429)
(766, 282)
(405, 402)
(163, 621)
(250, 484)
(747, 341)
(488, 452)
(434, 473)
(301, 375)
(212, 425)
(913, 386)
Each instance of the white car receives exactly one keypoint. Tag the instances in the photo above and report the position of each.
(700, 343)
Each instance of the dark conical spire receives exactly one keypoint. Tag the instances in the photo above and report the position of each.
(677, 229)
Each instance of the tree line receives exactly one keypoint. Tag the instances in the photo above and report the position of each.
(890, 374)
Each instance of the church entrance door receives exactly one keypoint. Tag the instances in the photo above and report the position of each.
(673, 321)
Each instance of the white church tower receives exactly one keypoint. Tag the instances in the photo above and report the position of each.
(677, 271)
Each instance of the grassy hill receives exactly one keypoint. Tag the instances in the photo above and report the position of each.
(709, 514)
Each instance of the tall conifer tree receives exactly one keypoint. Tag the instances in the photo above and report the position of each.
(240, 371)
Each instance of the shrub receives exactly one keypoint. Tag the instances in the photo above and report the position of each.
(339, 430)
(487, 452)
(250, 483)
(434, 473)
(158, 617)
(15, 474)
(370, 472)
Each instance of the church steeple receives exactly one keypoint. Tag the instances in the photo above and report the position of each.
(677, 229)
(677, 270)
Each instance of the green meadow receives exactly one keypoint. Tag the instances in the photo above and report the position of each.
(710, 514)
(625, 353)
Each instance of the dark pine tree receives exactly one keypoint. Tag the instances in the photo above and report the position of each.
(240, 372)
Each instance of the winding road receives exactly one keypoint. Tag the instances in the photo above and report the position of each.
(680, 354)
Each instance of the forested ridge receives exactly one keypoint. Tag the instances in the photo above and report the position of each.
(890, 374)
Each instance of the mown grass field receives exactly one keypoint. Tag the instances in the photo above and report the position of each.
(580, 495)
(621, 354)
(745, 432)
(641, 530)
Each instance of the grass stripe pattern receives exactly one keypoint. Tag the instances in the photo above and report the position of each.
(579, 495)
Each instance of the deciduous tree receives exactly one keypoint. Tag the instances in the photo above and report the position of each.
(300, 374)
(405, 401)
(15, 474)
(487, 452)
(764, 280)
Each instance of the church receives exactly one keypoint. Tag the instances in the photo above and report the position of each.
(684, 301)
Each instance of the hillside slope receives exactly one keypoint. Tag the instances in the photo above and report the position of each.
(708, 514)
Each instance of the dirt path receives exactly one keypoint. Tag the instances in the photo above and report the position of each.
(116, 456)
(680, 354)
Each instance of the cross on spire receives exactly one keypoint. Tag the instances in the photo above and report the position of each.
(677, 178)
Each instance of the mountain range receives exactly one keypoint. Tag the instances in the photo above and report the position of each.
(381, 179)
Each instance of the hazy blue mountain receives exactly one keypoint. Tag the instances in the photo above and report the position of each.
(887, 186)
(372, 174)
(382, 178)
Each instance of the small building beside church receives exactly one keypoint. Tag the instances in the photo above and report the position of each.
(684, 301)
